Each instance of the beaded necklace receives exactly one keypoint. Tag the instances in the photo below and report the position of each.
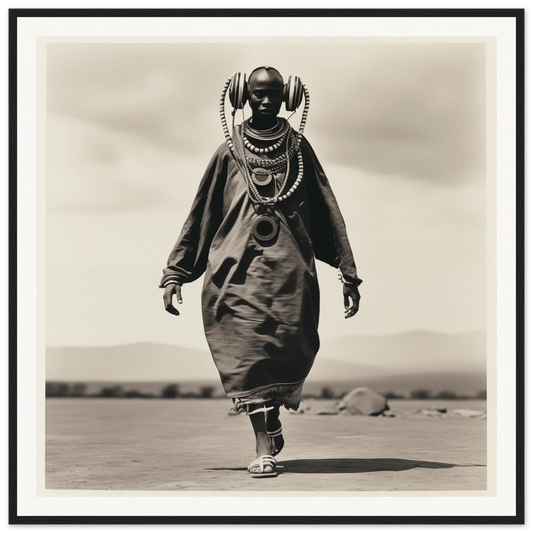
(279, 129)
(255, 195)
(277, 162)
(253, 131)
(267, 135)
(262, 150)
(277, 134)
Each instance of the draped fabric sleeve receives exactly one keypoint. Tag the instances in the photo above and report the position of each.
(328, 230)
(188, 259)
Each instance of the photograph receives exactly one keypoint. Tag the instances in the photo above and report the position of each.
(266, 266)
(401, 141)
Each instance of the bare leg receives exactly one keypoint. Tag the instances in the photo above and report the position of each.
(262, 442)
(273, 423)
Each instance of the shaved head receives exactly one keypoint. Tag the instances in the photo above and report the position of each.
(265, 74)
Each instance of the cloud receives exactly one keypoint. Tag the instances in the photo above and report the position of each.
(91, 167)
(152, 91)
(411, 110)
(391, 109)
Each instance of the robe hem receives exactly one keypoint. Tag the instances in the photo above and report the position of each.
(287, 394)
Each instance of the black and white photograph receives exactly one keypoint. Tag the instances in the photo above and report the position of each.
(130, 130)
(268, 266)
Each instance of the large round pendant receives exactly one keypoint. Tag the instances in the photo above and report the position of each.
(264, 228)
(261, 176)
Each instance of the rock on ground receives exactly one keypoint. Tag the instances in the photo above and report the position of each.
(363, 401)
(469, 413)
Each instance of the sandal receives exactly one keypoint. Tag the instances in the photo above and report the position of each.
(263, 461)
(272, 435)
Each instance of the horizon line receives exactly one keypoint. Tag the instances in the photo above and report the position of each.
(324, 340)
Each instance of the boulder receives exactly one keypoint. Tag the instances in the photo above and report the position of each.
(469, 413)
(363, 401)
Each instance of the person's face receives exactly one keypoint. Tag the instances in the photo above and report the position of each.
(266, 95)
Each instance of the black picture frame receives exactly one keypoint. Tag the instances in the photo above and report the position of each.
(520, 521)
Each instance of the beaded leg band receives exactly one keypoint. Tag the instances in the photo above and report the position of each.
(258, 410)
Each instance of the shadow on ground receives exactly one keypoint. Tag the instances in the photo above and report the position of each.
(356, 466)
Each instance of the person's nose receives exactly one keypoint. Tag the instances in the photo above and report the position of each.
(266, 101)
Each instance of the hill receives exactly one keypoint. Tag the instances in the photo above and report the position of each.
(417, 359)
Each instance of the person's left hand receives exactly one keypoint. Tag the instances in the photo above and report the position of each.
(351, 292)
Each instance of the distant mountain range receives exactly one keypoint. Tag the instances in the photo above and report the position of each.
(417, 359)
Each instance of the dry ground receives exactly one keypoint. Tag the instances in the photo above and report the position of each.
(136, 444)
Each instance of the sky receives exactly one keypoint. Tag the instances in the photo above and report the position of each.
(398, 127)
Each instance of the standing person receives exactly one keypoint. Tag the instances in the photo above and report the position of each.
(263, 212)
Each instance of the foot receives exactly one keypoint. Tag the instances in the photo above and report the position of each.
(264, 463)
(263, 466)
(273, 426)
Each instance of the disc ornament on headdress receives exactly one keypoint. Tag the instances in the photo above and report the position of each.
(281, 137)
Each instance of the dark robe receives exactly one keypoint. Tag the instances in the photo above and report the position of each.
(260, 303)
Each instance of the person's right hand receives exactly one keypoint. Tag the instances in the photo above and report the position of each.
(170, 291)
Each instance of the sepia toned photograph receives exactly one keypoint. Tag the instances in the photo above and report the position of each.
(266, 266)
(383, 167)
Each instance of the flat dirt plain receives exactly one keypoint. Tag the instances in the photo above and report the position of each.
(194, 445)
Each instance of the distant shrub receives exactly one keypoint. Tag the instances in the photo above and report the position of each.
(57, 390)
(326, 393)
(446, 395)
(206, 392)
(111, 392)
(136, 394)
(393, 396)
(481, 395)
(64, 390)
(170, 391)
(78, 389)
(420, 394)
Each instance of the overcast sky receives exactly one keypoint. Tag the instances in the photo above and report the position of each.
(399, 129)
